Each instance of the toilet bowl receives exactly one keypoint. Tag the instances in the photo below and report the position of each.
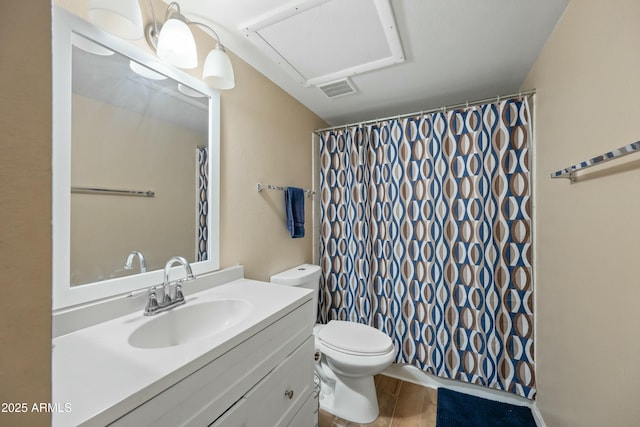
(350, 354)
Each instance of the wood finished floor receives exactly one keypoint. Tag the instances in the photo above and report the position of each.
(402, 404)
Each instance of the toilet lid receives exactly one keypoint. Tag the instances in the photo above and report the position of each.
(355, 338)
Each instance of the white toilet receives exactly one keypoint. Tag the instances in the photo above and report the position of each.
(351, 354)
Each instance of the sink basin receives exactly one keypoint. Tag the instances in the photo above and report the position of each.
(187, 323)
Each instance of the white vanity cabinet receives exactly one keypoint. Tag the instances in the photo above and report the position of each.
(266, 380)
(279, 398)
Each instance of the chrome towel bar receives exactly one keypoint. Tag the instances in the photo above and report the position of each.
(570, 172)
(262, 186)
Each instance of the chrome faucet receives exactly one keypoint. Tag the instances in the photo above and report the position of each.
(128, 265)
(175, 292)
(172, 291)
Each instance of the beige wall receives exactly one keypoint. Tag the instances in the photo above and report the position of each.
(588, 233)
(25, 208)
(266, 136)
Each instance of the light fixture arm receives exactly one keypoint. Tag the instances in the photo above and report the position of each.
(215, 35)
(152, 31)
(167, 15)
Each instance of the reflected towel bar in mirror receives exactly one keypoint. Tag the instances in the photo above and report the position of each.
(113, 192)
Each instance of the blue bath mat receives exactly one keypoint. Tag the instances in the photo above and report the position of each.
(463, 410)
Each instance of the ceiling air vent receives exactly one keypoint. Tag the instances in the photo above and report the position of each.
(338, 88)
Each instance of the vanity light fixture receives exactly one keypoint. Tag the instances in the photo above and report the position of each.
(174, 43)
(172, 40)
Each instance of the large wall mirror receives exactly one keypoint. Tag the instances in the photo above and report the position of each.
(135, 166)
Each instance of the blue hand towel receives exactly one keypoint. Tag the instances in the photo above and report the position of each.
(294, 208)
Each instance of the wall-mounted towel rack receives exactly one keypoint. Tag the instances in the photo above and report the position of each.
(111, 191)
(262, 186)
(570, 172)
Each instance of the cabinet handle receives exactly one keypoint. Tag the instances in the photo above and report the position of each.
(289, 394)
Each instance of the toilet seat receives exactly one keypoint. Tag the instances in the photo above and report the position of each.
(354, 339)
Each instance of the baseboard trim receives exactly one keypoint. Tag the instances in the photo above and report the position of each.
(414, 375)
(537, 416)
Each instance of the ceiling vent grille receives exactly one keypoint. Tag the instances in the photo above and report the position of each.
(338, 88)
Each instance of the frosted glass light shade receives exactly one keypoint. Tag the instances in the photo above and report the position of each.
(186, 90)
(176, 45)
(90, 46)
(218, 71)
(121, 18)
(145, 72)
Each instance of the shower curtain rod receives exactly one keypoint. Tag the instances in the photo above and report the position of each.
(434, 110)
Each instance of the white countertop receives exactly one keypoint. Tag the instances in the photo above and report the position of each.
(98, 376)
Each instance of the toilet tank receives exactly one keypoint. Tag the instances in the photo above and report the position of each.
(305, 276)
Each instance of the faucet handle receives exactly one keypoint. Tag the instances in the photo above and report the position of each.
(179, 294)
(152, 302)
(166, 299)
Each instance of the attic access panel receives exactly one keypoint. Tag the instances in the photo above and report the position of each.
(321, 41)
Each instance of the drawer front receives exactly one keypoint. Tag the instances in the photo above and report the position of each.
(280, 395)
(236, 416)
(282, 398)
(307, 416)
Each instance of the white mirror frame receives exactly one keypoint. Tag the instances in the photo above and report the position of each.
(65, 295)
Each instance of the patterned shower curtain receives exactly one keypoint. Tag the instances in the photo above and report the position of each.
(202, 201)
(426, 234)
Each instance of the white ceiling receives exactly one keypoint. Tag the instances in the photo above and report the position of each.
(452, 51)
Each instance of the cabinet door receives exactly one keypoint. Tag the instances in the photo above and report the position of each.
(276, 399)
